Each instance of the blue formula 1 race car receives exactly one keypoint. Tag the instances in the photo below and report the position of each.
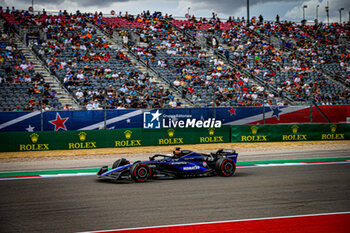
(183, 163)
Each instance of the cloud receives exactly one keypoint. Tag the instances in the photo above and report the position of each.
(287, 9)
(226, 7)
(39, 2)
(296, 13)
(88, 3)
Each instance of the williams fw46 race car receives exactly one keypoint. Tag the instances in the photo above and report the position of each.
(183, 163)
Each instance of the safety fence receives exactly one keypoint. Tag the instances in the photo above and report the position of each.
(117, 138)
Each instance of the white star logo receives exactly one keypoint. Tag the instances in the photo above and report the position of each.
(30, 128)
(128, 120)
(156, 116)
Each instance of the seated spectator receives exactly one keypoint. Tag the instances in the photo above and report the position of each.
(178, 103)
(177, 82)
(79, 94)
(172, 103)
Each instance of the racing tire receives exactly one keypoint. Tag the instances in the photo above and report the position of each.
(120, 162)
(140, 172)
(225, 167)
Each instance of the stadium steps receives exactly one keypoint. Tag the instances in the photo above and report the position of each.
(63, 96)
(254, 80)
(275, 42)
(117, 44)
(345, 41)
(211, 52)
(332, 77)
(326, 75)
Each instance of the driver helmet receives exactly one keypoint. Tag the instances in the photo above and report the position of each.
(177, 151)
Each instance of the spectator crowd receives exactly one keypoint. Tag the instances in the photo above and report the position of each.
(207, 61)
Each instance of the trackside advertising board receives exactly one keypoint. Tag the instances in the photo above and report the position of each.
(120, 138)
(117, 138)
(295, 132)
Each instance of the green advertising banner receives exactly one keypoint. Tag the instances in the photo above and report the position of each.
(118, 138)
(91, 139)
(296, 132)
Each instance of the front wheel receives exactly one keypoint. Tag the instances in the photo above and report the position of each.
(225, 167)
(140, 172)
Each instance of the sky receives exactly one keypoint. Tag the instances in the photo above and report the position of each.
(290, 10)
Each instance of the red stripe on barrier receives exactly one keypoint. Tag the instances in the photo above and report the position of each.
(335, 223)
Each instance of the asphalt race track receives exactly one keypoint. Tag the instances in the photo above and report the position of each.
(73, 204)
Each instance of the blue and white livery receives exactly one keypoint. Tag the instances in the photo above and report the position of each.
(183, 163)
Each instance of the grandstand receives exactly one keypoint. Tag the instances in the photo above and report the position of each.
(89, 61)
(22, 86)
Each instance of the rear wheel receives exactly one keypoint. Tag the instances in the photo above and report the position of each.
(120, 162)
(140, 172)
(225, 167)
